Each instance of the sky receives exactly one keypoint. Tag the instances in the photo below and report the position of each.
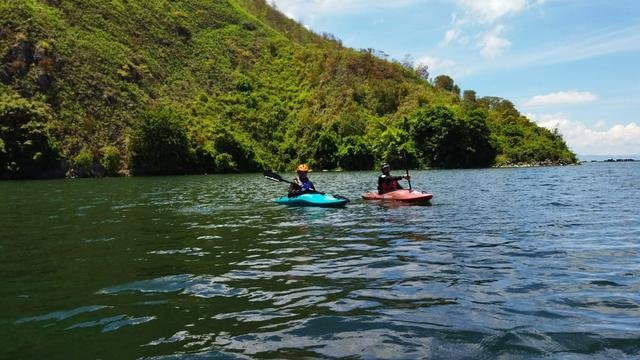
(567, 64)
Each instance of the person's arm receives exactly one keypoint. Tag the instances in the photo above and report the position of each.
(294, 188)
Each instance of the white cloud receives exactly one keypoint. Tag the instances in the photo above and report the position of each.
(620, 139)
(485, 13)
(449, 36)
(489, 11)
(439, 66)
(491, 43)
(561, 98)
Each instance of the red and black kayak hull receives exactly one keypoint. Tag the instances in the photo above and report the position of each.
(405, 196)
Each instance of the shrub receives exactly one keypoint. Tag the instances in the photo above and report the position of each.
(232, 144)
(110, 160)
(326, 150)
(355, 154)
(159, 144)
(27, 149)
(392, 145)
(82, 163)
(224, 163)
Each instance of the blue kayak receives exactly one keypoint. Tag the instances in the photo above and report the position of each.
(313, 199)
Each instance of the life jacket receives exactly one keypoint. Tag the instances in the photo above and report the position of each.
(388, 185)
(306, 184)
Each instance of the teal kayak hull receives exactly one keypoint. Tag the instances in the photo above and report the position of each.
(313, 199)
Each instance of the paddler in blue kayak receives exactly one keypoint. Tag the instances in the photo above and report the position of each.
(301, 183)
(388, 182)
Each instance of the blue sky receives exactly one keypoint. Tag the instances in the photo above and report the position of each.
(570, 64)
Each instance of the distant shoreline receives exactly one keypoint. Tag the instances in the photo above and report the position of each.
(609, 157)
(613, 160)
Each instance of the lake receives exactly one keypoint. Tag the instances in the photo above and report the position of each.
(513, 263)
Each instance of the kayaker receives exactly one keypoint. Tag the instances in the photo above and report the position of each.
(388, 182)
(301, 183)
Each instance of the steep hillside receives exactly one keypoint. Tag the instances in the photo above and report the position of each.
(90, 87)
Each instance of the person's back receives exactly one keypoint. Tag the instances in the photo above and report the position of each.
(388, 182)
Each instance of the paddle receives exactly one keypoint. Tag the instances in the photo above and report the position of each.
(406, 167)
(274, 177)
(277, 178)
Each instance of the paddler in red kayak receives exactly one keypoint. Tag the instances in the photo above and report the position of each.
(301, 183)
(388, 182)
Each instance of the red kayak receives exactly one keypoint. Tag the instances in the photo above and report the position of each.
(407, 196)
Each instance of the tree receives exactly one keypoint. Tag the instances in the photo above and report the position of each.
(326, 150)
(444, 140)
(159, 144)
(27, 147)
(444, 82)
(469, 96)
(392, 144)
(422, 70)
(355, 154)
(237, 155)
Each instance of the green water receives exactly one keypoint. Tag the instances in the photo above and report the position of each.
(522, 263)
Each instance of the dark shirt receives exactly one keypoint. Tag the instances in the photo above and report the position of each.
(387, 183)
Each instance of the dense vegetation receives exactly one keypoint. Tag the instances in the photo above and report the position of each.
(91, 87)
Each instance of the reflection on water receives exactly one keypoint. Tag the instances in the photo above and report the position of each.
(515, 263)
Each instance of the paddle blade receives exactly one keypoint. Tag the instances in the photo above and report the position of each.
(272, 176)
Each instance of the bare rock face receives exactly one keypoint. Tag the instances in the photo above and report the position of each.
(17, 60)
(35, 63)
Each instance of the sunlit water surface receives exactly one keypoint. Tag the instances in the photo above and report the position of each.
(514, 263)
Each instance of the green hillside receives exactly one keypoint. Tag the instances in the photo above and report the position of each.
(92, 87)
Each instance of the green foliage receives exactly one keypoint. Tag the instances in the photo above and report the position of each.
(159, 145)
(392, 145)
(326, 151)
(444, 82)
(224, 163)
(446, 140)
(27, 149)
(520, 141)
(469, 97)
(247, 87)
(82, 163)
(355, 154)
(234, 153)
(110, 160)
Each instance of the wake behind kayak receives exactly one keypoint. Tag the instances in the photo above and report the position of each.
(313, 199)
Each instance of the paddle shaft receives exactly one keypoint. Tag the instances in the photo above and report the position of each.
(283, 180)
(406, 168)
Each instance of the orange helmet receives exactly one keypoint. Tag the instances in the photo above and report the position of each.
(303, 168)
